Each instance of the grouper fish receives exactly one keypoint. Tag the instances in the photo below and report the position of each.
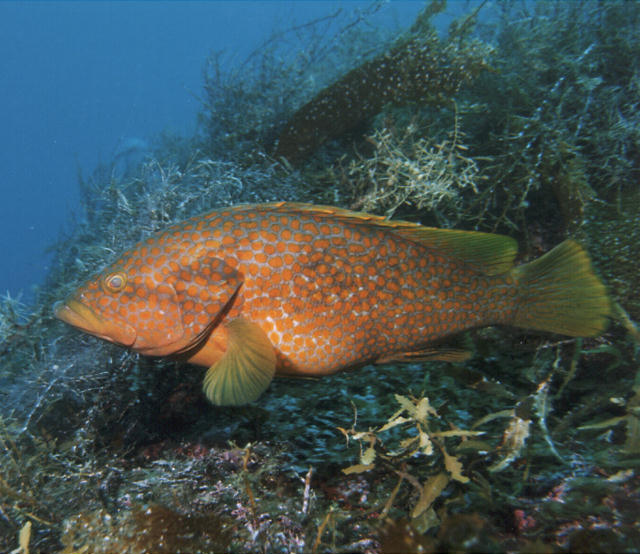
(255, 291)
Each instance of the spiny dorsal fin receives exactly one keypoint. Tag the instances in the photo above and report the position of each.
(245, 370)
(490, 253)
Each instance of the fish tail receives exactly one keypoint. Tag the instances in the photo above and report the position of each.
(560, 293)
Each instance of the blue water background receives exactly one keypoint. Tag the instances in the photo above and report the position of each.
(82, 81)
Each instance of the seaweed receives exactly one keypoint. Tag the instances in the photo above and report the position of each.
(531, 445)
(418, 67)
(555, 111)
(418, 174)
(145, 529)
(246, 103)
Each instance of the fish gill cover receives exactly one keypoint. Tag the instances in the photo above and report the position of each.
(532, 444)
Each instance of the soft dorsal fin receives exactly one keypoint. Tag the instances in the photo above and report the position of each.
(245, 370)
(490, 253)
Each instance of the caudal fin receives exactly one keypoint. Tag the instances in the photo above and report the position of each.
(559, 292)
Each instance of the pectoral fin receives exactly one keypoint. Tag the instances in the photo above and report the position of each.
(246, 368)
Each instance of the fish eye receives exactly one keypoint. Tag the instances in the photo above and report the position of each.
(115, 282)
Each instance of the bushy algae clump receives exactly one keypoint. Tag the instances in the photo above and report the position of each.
(402, 172)
(247, 103)
(418, 67)
(532, 444)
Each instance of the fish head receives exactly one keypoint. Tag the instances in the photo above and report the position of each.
(128, 309)
(152, 311)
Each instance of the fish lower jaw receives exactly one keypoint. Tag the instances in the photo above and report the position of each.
(80, 315)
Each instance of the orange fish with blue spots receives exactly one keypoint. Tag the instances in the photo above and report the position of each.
(255, 291)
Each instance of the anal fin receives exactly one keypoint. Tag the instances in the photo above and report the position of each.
(427, 355)
(245, 370)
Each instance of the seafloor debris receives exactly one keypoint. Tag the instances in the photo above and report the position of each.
(421, 68)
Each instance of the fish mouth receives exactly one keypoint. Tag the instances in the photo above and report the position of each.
(83, 317)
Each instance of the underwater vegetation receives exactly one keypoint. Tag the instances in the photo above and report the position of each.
(531, 444)
(417, 67)
(247, 104)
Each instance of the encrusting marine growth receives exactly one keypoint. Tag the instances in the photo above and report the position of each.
(295, 289)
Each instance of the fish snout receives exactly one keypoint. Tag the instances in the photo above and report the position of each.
(78, 314)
